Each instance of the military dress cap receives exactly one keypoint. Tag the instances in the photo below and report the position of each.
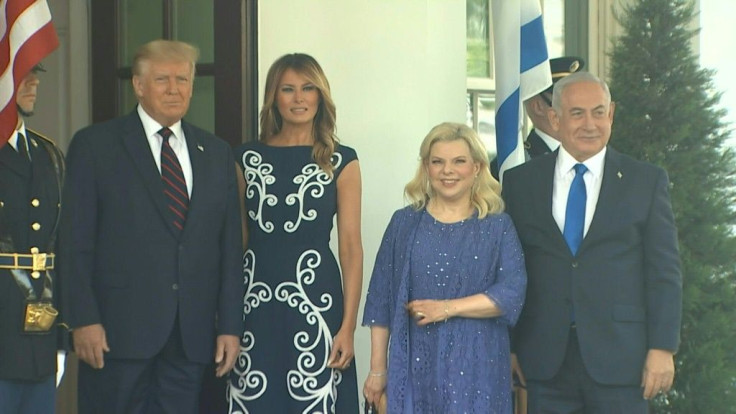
(563, 66)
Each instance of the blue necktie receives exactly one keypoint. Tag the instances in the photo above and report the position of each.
(575, 211)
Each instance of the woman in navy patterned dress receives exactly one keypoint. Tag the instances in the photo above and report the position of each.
(300, 310)
(448, 282)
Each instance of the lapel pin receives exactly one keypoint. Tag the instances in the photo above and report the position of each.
(619, 174)
(34, 143)
(201, 148)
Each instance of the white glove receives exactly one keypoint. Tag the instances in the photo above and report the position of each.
(60, 364)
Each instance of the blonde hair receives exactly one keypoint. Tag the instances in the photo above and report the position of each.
(323, 127)
(164, 51)
(486, 191)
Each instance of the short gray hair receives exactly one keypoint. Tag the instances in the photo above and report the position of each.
(576, 77)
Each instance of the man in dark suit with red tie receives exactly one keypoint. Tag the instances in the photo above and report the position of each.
(601, 321)
(153, 247)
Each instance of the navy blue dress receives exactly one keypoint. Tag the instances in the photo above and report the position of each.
(293, 304)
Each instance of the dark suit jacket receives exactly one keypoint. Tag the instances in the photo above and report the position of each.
(126, 267)
(624, 282)
(535, 145)
(24, 356)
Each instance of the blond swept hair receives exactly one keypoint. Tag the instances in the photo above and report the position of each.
(485, 195)
(323, 127)
(164, 51)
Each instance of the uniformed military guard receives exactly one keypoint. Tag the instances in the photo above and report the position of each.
(31, 173)
(541, 139)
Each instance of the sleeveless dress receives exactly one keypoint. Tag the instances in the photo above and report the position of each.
(293, 304)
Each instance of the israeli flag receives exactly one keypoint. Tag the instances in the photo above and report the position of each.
(521, 71)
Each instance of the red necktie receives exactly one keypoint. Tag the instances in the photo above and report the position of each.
(175, 187)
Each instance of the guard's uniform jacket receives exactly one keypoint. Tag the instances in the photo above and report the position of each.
(30, 195)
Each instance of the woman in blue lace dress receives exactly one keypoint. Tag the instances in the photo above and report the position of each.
(448, 283)
(300, 310)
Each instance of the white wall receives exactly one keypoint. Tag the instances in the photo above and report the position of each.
(396, 69)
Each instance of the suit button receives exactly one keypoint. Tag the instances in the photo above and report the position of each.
(575, 265)
(2, 204)
(36, 226)
(35, 202)
(175, 286)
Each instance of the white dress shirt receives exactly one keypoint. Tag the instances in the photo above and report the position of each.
(13, 142)
(564, 174)
(177, 141)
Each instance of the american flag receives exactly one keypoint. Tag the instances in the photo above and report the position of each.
(26, 37)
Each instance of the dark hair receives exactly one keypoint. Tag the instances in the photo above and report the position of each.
(323, 127)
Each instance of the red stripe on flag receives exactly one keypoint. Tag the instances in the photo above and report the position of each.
(17, 59)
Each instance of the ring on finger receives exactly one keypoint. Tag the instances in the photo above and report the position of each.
(420, 314)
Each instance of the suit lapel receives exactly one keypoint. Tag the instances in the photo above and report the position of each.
(544, 187)
(135, 142)
(608, 200)
(38, 154)
(197, 157)
(536, 145)
(544, 210)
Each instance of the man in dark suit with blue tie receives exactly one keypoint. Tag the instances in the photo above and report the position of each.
(153, 256)
(541, 139)
(602, 316)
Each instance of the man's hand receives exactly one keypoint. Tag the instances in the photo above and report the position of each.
(90, 343)
(226, 351)
(659, 372)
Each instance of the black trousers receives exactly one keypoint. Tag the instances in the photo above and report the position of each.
(573, 391)
(166, 383)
